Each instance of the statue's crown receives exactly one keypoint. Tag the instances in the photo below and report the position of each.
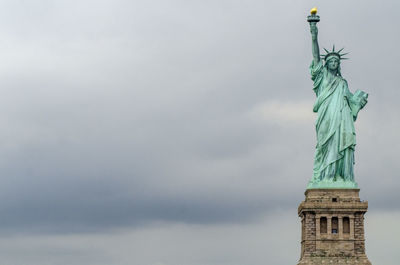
(334, 53)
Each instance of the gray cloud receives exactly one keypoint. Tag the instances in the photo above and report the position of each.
(118, 114)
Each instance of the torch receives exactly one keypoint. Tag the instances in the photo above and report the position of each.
(313, 17)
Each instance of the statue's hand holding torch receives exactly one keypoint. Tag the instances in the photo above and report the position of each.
(313, 19)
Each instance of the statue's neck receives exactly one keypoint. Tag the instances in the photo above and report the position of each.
(331, 75)
(333, 72)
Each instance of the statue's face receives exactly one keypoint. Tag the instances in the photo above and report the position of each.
(333, 64)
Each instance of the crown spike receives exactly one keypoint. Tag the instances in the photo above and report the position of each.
(334, 53)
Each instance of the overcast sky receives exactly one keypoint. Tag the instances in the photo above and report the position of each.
(181, 132)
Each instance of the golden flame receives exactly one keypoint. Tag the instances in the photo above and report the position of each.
(313, 11)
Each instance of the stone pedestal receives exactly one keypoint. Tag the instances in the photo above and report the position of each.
(332, 222)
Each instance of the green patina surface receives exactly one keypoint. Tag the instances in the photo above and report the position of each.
(337, 109)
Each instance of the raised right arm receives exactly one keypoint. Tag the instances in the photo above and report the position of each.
(315, 47)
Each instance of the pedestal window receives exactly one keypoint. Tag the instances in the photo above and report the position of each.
(335, 225)
(323, 225)
(346, 225)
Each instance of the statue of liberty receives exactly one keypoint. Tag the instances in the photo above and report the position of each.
(337, 110)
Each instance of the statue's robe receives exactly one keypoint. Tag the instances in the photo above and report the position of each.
(337, 110)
